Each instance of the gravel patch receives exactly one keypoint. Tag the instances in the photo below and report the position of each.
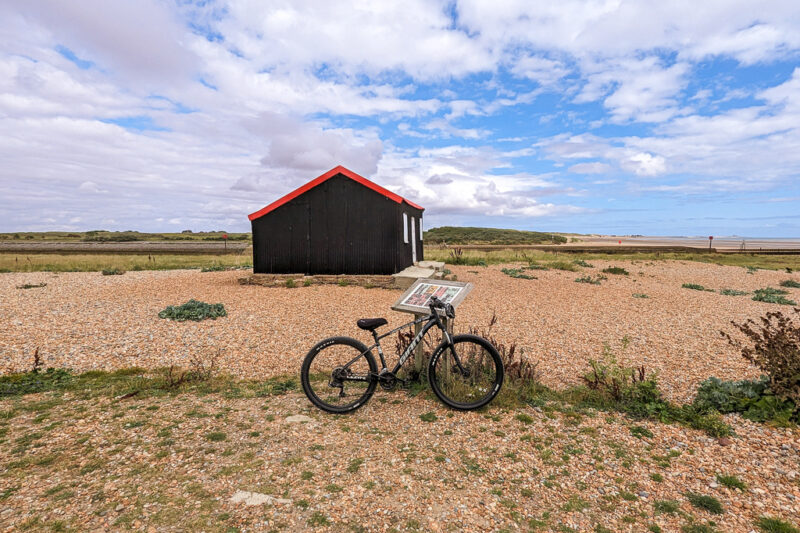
(147, 464)
(86, 321)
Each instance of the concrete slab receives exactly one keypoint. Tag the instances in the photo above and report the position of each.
(405, 278)
(436, 265)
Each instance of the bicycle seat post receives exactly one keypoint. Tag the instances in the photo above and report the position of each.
(380, 350)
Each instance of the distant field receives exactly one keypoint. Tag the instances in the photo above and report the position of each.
(481, 257)
(119, 236)
(467, 235)
(97, 262)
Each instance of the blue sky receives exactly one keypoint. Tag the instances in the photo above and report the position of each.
(614, 117)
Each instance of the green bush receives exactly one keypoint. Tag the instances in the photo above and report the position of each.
(193, 310)
(616, 270)
(640, 295)
(753, 399)
(213, 268)
(790, 283)
(290, 284)
(467, 235)
(772, 296)
(773, 345)
(632, 391)
(112, 271)
(582, 263)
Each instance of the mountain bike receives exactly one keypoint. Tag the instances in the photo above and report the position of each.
(465, 372)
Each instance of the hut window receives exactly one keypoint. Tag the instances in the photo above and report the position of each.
(405, 228)
(420, 228)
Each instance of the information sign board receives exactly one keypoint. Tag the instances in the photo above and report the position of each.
(417, 297)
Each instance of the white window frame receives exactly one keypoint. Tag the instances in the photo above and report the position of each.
(405, 228)
(413, 240)
(420, 228)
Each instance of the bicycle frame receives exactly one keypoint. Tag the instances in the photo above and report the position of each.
(430, 321)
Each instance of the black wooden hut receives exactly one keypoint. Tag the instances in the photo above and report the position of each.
(338, 223)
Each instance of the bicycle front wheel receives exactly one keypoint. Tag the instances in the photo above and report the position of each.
(467, 375)
(337, 375)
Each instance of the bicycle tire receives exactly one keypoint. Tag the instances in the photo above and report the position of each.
(438, 371)
(325, 347)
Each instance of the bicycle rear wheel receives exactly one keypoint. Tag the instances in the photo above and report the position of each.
(469, 378)
(331, 383)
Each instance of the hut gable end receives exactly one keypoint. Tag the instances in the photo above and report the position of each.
(335, 224)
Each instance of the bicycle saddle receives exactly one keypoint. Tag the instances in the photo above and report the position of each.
(370, 324)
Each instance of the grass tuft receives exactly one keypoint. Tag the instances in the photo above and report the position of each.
(430, 416)
(732, 482)
(708, 503)
(775, 525)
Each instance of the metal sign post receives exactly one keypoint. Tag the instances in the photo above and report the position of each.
(416, 298)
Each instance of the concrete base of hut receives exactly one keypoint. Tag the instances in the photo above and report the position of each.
(401, 280)
(301, 280)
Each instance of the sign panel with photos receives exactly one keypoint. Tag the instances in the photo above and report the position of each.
(418, 296)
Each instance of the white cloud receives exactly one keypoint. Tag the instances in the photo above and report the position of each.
(644, 164)
(590, 168)
(289, 90)
(542, 70)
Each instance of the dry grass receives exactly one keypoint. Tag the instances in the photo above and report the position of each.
(129, 262)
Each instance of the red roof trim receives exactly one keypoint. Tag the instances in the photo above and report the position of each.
(328, 175)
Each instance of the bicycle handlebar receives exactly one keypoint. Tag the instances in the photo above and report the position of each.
(436, 303)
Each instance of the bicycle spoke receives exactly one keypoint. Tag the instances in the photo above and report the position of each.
(338, 377)
(468, 377)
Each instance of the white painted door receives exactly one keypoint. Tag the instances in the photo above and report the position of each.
(413, 241)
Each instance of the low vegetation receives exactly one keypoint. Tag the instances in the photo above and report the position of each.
(772, 296)
(213, 268)
(592, 280)
(121, 236)
(790, 283)
(517, 273)
(510, 255)
(619, 271)
(10, 262)
(768, 524)
(32, 285)
(193, 310)
(695, 287)
(707, 503)
(772, 344)
(568, 266)
(467, 235)
(112, 271)
(733, 292)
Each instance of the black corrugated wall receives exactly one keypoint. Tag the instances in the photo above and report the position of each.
(338, 227)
